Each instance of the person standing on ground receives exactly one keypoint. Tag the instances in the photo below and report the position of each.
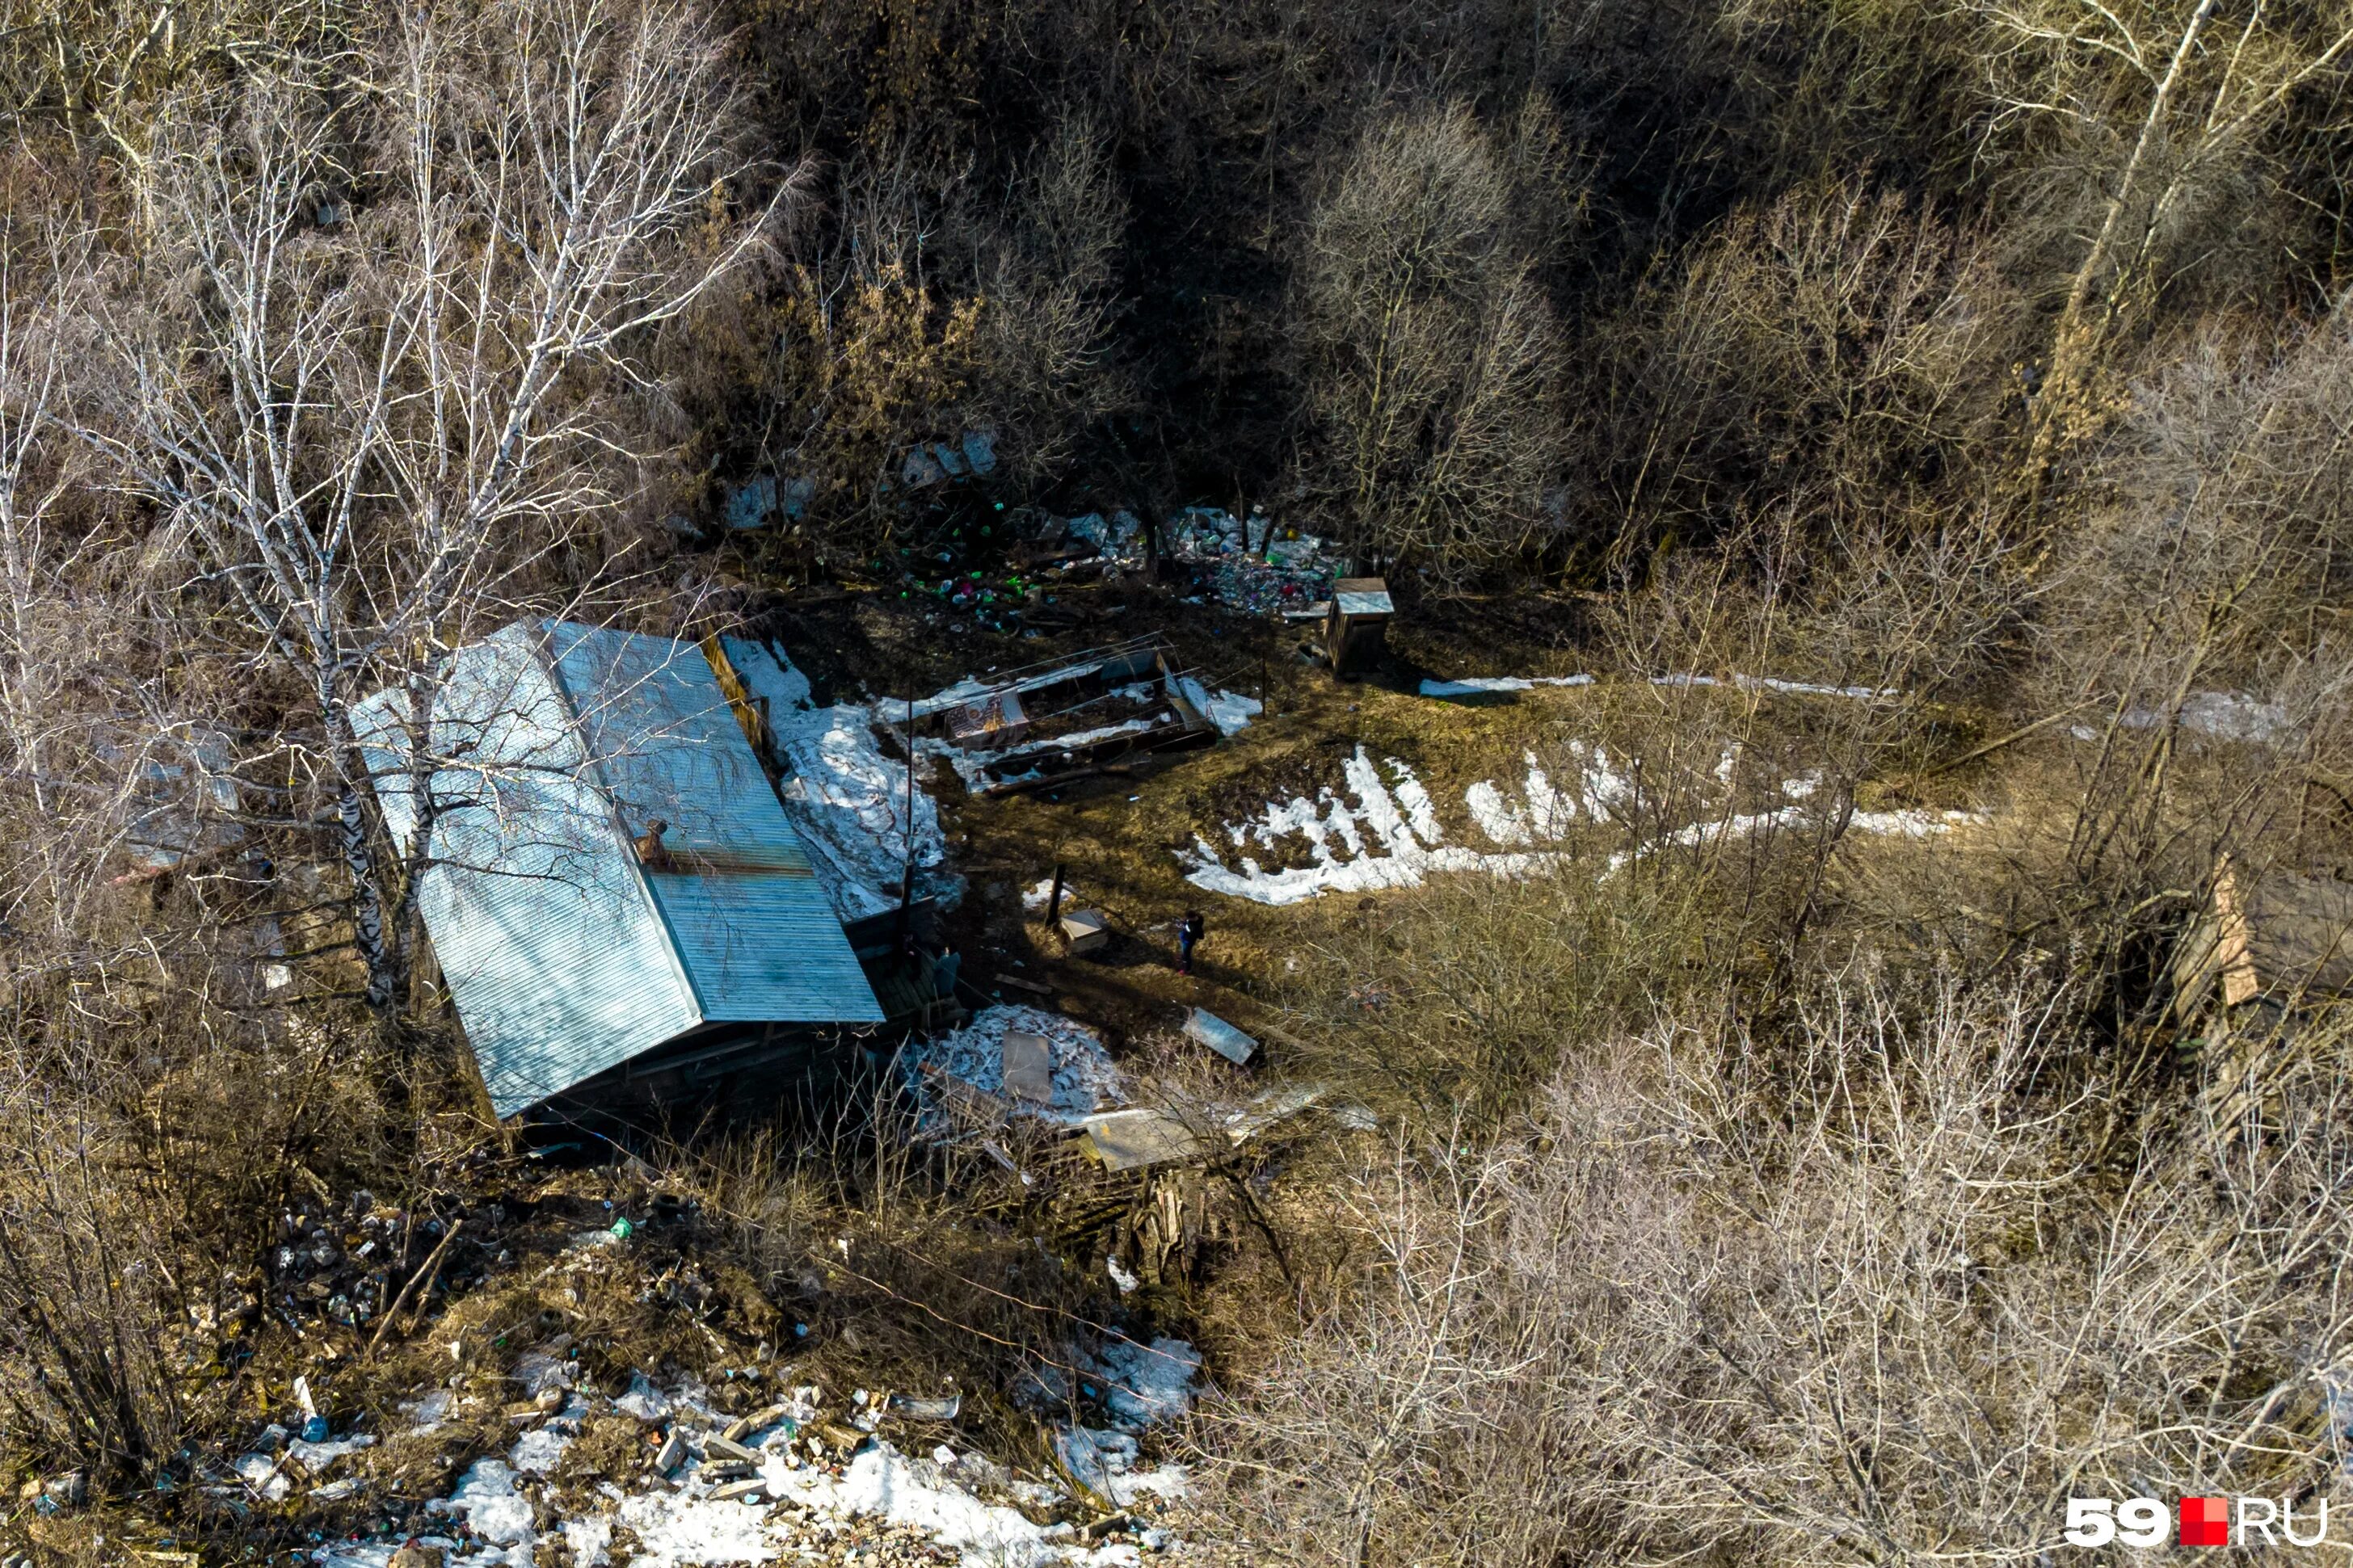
(1188, 937)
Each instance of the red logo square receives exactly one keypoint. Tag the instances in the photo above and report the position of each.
(2205, 1521)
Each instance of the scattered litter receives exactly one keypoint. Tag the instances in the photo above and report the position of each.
(1139, 1136)
(1023, 730)
(1118, 539)
(1245, 567)
(316, 1457)
(1133, 1138)
(1149, 1386)
(428, 1412)
(749, 504)
(264, 1473)
(971, 456)
(1028, 1074)
(1230, 710)
(643, 1400)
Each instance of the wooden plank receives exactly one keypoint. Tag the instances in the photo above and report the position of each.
(1130, 1140)
(1018, 984)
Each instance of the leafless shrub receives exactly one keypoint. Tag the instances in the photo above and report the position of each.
(88, 1302)
(1839, 353)
(1429, 349)
(1863, 1304)
(1043, 371)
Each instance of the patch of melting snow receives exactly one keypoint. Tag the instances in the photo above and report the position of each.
(851, 805)
(493, 1508)
(1230, 712)
(1483, 685)
(536, 1452)
(1915, 823)
(1107, 1463)
(2219, 715)
(426, 1412)
(1497, 818)
(1085, 1077)
(1421, 812)
(1739, 824)
(1401, 820)
(1401, 826)
(674, 1530)
(1786, 687)
(1601, 785)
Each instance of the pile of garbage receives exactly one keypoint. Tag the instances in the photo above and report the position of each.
(1253, 565)
(799, 1475)
(1117, 539)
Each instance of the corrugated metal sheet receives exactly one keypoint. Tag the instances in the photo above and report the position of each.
(756, 932)
(558, 960)
(564, 956)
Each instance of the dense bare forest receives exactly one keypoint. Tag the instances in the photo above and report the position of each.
(1911, 440)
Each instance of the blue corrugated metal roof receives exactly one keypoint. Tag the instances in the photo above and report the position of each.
(756, 933)
(556, 743)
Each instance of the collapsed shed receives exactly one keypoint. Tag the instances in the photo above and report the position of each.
(1046, 724)
(619, 907)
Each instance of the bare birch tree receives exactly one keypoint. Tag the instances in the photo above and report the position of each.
(2164, 101)
(368, 366)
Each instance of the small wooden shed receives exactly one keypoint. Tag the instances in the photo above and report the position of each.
(1356, 629)
(2285, 940)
